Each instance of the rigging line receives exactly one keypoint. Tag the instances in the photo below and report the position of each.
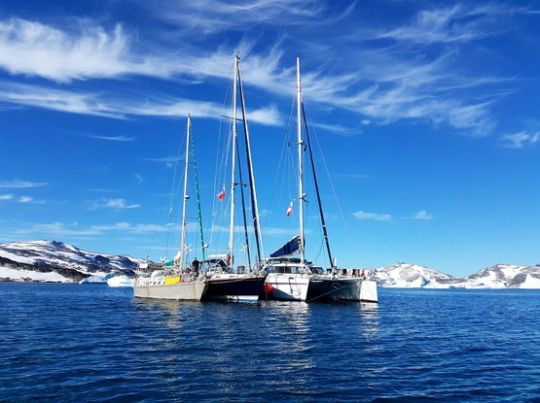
(222, 206)
(316, 183)
(279, 168)
(172, 197)
(289, 158)
(336, 198)
(243, 204)
(290, 162)
(217, 166)
(320, 250)
(176, 184)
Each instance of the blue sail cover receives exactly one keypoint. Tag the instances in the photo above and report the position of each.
(289, 248)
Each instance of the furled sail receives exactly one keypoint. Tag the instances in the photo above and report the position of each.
(289, 248)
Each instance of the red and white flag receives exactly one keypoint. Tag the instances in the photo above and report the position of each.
(289, 210)
(221, 195)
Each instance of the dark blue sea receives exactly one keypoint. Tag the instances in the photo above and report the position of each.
(94, 343)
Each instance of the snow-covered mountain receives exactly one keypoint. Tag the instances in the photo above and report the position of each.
(505, 276)
(52, 261)
(405, 275)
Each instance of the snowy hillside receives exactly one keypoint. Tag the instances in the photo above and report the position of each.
(52, 261)
(404, 275)
(505, 276)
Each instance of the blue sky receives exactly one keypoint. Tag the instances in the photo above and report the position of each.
(425, 113)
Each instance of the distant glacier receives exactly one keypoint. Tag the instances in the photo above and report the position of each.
(59, 262)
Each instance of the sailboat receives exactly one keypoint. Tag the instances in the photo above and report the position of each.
(173, 280)
(222, 280)
(295, 278)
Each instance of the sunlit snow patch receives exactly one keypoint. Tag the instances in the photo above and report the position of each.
(30, 275)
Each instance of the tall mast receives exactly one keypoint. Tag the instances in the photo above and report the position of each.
(300, 168)
(180, 255)
(316, 182)
(254, 201)
(233, 160)
(199, 209)
(241, 182)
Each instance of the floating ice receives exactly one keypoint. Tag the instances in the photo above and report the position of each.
(120, 281)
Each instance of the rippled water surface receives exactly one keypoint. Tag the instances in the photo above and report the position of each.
(80, 343)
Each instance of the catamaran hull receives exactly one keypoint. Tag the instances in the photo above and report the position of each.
(189, 291)
(342, 289)
(246, 289)
(286, 287)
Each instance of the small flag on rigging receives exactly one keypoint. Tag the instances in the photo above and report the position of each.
(221, 195)
(289, 209)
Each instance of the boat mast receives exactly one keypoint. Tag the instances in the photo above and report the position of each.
(251, 174)
(199, 209)
(300, 149)
(316, 182)
(241, 182)
(185, 197)
(233, 160)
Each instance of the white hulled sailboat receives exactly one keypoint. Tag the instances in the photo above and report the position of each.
(174, 281)
(295, 278)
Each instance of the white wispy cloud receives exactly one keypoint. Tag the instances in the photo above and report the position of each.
(267, 231)
(116, 204)
(98, 104)
(353, 175)
(214, 16)
(520, 139)
(58, 100)
(365, 215)
(135, 228)
(29, 200)
(139, 178)
(167, 159)
(119, 204)
(380, 83)
(336, 128)
(58, 228)
(457, 23)
(198, 109)
(21, 199)
(21, 184)
(35, 49)
(111, 138)
(421, 215)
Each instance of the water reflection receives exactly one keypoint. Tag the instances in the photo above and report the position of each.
(171, 312)
(292, 321)
(370, 320)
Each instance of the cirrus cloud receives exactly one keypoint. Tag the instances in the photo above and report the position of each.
(365, 215)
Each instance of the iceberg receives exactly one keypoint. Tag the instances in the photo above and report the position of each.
(120, 281)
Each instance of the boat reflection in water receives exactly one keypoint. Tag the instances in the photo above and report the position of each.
(370, 318)
(292, 321)
(172, 313)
